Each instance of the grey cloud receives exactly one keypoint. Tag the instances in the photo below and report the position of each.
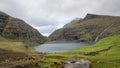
(37, 21)
(81, 7)
(12, 8)
(53, 14)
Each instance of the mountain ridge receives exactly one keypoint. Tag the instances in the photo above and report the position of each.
(88, 28)
(17, 29)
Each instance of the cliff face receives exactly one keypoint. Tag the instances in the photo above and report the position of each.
(89, 29)
(16, 29)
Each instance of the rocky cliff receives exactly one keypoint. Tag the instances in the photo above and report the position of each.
(92, 27)
(17, 29)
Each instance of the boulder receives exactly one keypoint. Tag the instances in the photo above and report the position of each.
(83, 63)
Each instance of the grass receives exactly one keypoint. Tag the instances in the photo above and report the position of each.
(15, 53)
(13, 46)
(106, 59)
(17, 46)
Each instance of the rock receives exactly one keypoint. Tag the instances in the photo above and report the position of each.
(91, 16)
(83, 63)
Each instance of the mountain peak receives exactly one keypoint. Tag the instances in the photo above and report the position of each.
(2, 13)
(91, 16)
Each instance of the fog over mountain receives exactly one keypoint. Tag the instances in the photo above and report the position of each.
(49, 15)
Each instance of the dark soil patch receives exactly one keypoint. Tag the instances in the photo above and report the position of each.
(11, 59)
(9, 55)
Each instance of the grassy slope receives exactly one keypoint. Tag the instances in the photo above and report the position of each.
(14, 46)
(13, 53)
(107, 59)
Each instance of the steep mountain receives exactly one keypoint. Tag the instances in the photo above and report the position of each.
(17, 29)
(91, 28)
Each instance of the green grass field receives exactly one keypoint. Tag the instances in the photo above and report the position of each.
(17, 46)
(105, 59)
(15, 53)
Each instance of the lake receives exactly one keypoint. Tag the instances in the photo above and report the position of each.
(59, 47)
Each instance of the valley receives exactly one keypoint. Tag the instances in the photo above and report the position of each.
(18, 39)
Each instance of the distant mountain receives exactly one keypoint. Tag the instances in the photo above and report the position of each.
(17, 29)
(91, 28)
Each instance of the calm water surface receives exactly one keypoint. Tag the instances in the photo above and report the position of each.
(59, 47)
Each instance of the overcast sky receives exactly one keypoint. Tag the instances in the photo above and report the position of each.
(49, 15)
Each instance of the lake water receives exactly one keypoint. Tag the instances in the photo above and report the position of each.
(59, 47)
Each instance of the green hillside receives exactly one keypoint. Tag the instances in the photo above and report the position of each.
(15, 54)
(88, 28)
(103, 54)
(16, 37)
(17, 29)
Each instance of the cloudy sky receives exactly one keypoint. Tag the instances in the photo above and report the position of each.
(48, 15)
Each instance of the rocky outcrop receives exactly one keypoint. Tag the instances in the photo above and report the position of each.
(91, 16)
(83, 63)
(88, 28)
(17, 29)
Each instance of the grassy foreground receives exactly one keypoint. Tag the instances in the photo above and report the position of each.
(15, 46)
(101, 55)
(16, 54)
